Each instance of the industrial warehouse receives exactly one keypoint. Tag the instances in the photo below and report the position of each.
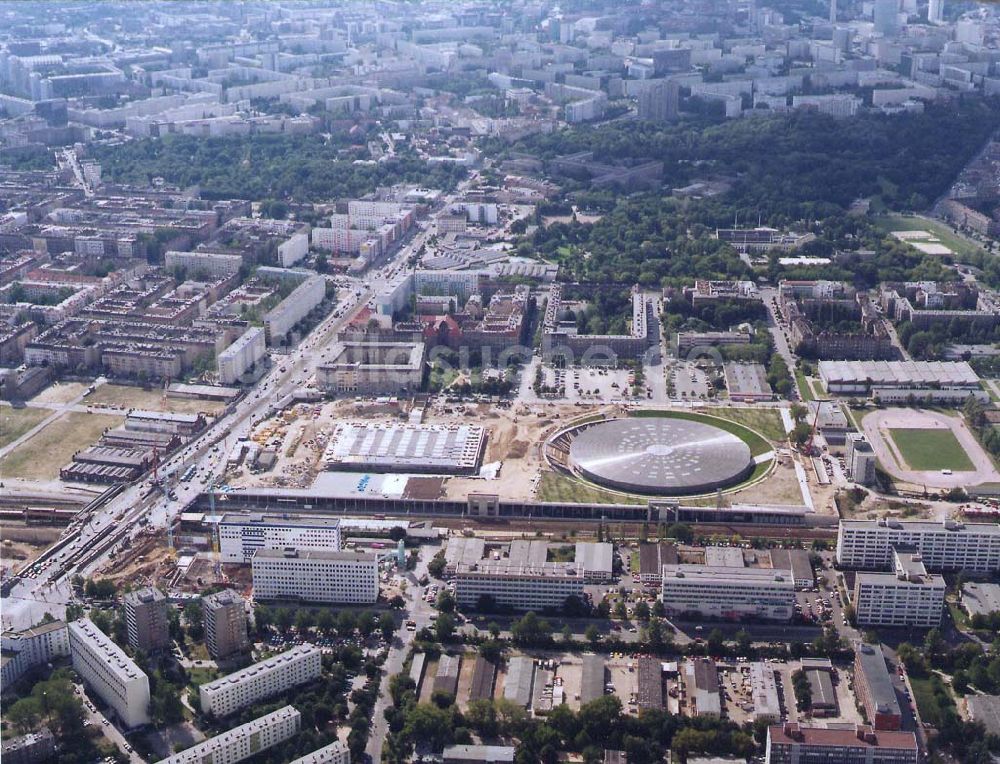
(384, 447)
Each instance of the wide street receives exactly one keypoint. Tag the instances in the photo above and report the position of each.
(84, 548)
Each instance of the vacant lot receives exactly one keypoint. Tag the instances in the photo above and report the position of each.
(127, 397)
(15, 422)
(41, 457)
(931, 449)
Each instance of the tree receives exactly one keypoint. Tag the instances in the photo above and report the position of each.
(446, 601)
(658, 610)
(25, 715)
(444, 627)
(284, 618)
(304, 619)
(430, 724)
(592, 635)
(620, 611)
(716, 642)
(744, 642)
(530, 629)
(387, 626)
(682, 532)
(642, 610)
(437, 565)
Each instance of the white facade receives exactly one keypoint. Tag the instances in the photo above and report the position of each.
(287, 313)
(907, 597)
(335, 753)
(867, 544)
(24, 650)
(244, 741)
(261, 680)
(109, 672)
(248, 349)
(293, 250)
(315, 576)
(724, 592)
(521, 587)
(214, 264)
(241, 535)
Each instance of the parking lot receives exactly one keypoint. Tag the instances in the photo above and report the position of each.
(689, 382)
(590, 384)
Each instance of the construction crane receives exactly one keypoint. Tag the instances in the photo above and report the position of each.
(810, 447)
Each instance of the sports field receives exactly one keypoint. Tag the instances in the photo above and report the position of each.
(931, 449)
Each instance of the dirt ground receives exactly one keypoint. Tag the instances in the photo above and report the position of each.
(15, 422)
(41, 457)
(60, 392)
(128, 397)
(16, 554)
(877, 425)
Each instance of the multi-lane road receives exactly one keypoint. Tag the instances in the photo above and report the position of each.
(110, 525)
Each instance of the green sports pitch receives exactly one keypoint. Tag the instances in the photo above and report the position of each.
(931, 449)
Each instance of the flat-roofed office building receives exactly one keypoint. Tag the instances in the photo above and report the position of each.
(315, 576)
(241, 534)
(728, 592)
(517, 586)
(947, 545)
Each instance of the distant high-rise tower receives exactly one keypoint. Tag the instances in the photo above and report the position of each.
(935, 11)
(660, 102)
(833, 11)
(886, 17)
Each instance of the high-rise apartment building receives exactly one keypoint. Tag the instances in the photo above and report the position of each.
(225, 621)
(660, 101)
(947, 545)
(860, 459)
(265, 679)
(146, 619)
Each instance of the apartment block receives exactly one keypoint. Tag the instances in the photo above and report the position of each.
(315, 576)
(908, 597)
(209, 262)
(244, 741)
(727, 592)
(947, 545)
(262, 680)
(335, 753)
(225, 621)
(521, 587)
(241, 535)
(23, 650)
(109, 672)
(792, 743)
(146, 619)
(241, 356)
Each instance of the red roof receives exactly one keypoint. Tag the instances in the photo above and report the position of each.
(793, 733)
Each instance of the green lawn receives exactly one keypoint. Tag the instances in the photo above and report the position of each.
(931, 449)
(961, 246)
(765, 421)
(557, 487)
(15, 422)
(805, 389)
(933, 699)
(758, 445)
